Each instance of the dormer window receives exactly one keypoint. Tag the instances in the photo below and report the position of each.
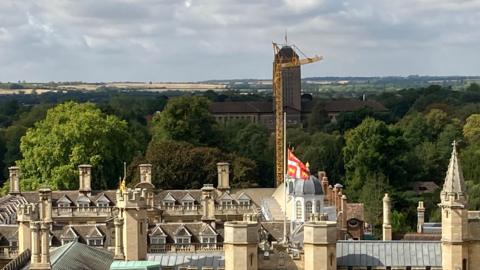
(188, 202)
(226, 201)
(168, 204)
(68, 240)
(168, 201)
(83, 201)
(102, 204)
(64, 202)
(182, 240)
(157, 240)
(226, 204)
(182, 236)
(244, 203)
(69, 236)
(208, 236)
(95, 237)
(157, 236)
(209, 241)
(83, 204)
(102, 201)
(95, 242)
(188, 205)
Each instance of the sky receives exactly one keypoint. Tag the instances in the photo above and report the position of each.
(195, 40)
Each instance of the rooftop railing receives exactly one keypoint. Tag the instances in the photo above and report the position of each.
(81, 211)
(193, 247)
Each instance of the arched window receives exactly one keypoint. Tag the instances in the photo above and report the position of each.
(317, 207)
(308, 209)
(298, 209)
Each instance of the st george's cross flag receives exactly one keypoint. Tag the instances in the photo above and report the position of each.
(296, 169)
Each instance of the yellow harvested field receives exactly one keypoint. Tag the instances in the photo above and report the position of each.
(23, 91)
(85, 86)
(159, 86)
(146, 86)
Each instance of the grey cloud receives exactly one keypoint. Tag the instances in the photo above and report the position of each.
(172, 40)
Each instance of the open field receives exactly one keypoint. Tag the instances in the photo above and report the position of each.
(176, 86)
(27, 91)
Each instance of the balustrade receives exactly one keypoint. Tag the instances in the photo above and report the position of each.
(193, 248)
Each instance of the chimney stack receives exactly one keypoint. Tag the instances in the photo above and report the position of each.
(344, 211)
(40, 231)
(145, 173)
(420, 217)
(387, 227)
(241, 245)
(223, 176)
(14, 173)
(85, 178)
(319, 245)
(208, 203)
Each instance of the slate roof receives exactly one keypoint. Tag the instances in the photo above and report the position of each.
(255, 194)
(72, 195)
(178, 195)
(172, 229)
(241, 107)
(7, 233)
(210, 259)
(8, 208)
(351, 105)
(274, 229)
(74, 255)
(246, 107)
(389, 253)
(83, 231)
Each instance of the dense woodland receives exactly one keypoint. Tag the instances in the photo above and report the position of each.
(370, 153)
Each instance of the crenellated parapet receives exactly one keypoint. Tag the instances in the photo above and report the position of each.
(27, 212)
(131, 198)
(131, 224)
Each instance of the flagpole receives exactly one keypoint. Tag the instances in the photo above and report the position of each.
(285, 186)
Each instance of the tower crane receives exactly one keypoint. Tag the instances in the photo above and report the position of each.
(278, 67)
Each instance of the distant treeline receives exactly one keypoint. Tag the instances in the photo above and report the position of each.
(369, 152)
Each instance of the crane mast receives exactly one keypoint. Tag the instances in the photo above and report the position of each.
(277, 86)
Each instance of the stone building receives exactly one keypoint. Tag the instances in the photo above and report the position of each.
(262, 111)
(221, 228)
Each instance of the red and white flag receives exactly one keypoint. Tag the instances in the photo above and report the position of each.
(296, 169)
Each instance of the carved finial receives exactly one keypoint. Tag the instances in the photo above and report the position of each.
(454, 183)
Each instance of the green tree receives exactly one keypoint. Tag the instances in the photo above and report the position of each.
(181, 165)
(322, 151)
(373, 148)
(13, 133)
(251, 140)
(70, 135)
(471, 129)
(474, 87)
(318, 118)
(415, 128)
(437, 119)
(187, 119)
(371, 194)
